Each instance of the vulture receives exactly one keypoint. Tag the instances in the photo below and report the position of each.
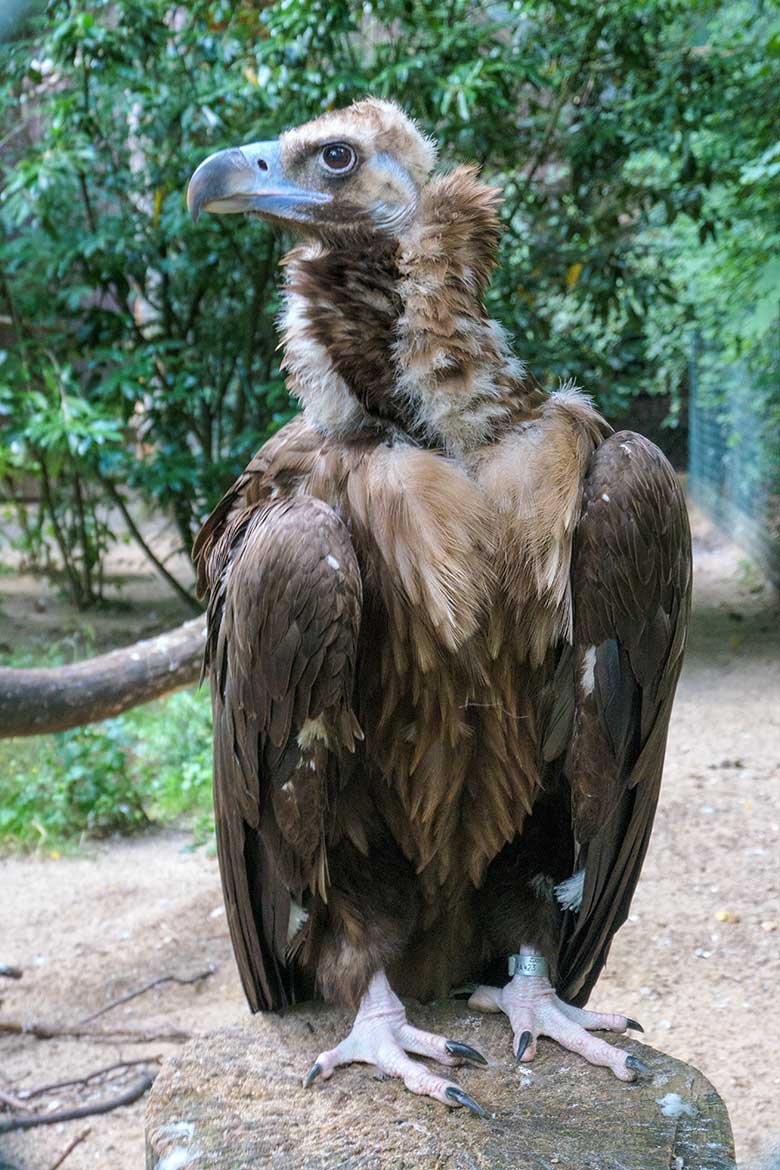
(447, 613)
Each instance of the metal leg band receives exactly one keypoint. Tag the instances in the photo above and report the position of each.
(527, 965)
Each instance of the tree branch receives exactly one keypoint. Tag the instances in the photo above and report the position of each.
(10, 1100)
(41, 700)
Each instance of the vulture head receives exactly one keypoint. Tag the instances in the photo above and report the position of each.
(385, 323)
(354, 170)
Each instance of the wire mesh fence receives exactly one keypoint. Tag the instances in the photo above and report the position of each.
(734, 445)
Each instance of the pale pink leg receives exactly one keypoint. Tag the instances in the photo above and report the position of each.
(382, 1036)
(535, 1010)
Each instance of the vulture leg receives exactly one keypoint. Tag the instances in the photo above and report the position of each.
(382, 1036)
(535, 1010)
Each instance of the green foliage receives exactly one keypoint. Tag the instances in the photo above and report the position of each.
(730, 276)
(635, 141)
(80, 786)
(57, 433)
(172, 751)
(726, 263)
(152, 765)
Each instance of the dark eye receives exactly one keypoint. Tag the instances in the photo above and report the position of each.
(338, 157)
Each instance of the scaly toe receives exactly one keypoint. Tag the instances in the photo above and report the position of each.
(575, 1038)
(600, 1021)
(534, 1010)
(327, 1062)
(381, 1036)
(435, 1047)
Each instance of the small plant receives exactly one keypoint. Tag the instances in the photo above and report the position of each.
(172, 750)
(57, 436)
(96, 793)
(81, 787)
(150, 766)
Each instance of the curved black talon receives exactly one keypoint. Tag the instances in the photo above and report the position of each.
(522, 1044)
(312, 1074)
(639, 1066)
(455, 1048)
(460, 1098)
(633, 1025)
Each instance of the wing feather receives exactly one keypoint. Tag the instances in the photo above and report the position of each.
(631, 577)
(284, 615)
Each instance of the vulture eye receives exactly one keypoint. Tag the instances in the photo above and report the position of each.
(338, 158)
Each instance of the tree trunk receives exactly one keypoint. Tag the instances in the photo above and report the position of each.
(37, 701)
(233, 1098)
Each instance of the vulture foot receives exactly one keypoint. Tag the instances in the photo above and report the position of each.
(382, 1036)
(535, 1010)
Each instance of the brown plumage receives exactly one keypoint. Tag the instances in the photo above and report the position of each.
(447, 609)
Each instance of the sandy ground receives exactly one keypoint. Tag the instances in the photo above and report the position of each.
(698, 963)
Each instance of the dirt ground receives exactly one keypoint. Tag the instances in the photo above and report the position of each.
(34, 613)
(698, 963)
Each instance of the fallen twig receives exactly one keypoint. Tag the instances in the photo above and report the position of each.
(201, 975)
(131, 1035)
(11, 972)
(69, 1150)
(30, 1120)
(27, 1094)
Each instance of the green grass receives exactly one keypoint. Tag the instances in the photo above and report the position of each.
(148, 766)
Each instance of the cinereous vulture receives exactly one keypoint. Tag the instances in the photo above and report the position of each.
(446, 621)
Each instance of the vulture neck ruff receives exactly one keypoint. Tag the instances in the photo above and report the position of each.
(391, 332)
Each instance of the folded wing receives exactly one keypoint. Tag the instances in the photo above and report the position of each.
(283, 623)
(631, 576)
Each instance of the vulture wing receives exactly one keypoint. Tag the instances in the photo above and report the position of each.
(283, 623)
(631, 576)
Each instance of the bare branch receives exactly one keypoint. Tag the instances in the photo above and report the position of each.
(129, 1035)
(201, 975)
(135, 532)
(10, 1100)
(27, 1094)
(78, 1139)
(31, 1120)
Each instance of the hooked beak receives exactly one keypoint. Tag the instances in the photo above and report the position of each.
(248, 178)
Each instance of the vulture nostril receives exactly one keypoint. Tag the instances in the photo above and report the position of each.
(262, 164)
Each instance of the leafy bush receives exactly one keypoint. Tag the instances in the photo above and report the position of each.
(150, 766)
(172, 751)
(80, 785)
(59, 434)
(167, 332)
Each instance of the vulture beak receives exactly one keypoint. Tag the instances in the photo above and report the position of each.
(248, 178)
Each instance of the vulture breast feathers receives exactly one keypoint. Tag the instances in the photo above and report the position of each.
(447, 608)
